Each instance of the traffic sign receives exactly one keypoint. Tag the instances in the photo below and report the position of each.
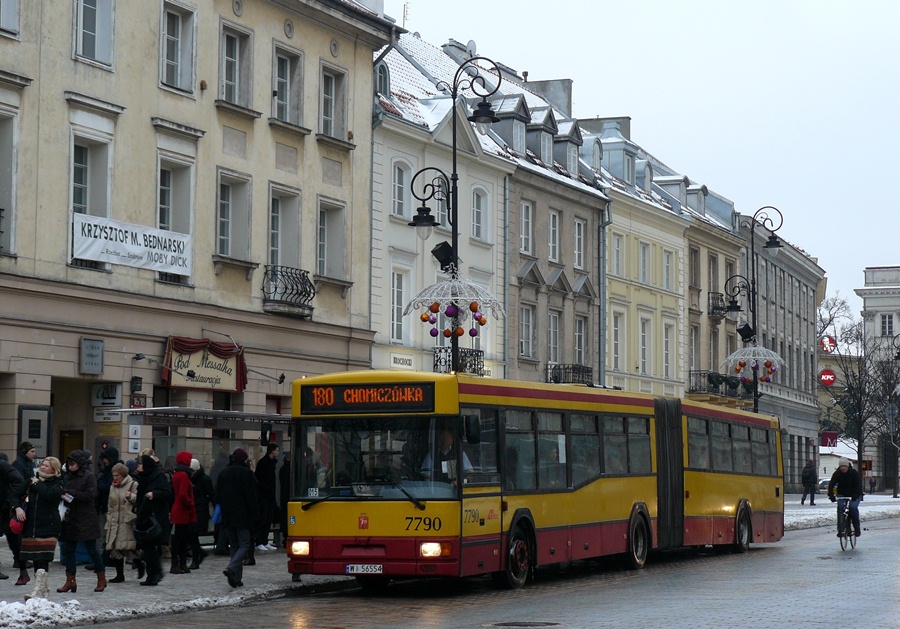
(827, 377)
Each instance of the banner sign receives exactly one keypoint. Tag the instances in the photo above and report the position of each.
(106, 240)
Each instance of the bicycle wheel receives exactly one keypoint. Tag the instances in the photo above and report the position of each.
(851, 536)
(844, 540)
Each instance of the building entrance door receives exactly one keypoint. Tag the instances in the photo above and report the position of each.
(70, 440)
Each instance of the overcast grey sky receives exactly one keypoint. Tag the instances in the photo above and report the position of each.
(772, 102)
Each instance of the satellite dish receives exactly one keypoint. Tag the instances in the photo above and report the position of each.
(471, 48)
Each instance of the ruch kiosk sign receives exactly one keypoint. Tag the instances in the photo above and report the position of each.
(204, 364)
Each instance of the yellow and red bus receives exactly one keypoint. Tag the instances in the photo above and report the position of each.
(413, 474)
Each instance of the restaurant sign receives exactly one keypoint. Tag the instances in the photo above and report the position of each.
(204, 364)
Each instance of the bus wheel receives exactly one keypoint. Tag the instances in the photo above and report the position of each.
(638, 543)
(372, 584)
(518, 561)
(743, 532)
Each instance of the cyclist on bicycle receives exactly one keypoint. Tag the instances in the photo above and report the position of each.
(847, 483)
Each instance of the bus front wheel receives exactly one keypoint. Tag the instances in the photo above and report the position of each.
(638, 542)
(518, 561)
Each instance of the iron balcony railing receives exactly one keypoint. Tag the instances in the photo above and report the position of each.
(717, 307)
(470, 360)
(287, 290)
(714, 383)
(570, 374)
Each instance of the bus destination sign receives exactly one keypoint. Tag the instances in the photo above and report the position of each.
(412, 397)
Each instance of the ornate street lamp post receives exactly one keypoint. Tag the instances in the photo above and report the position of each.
(739, 285)
(473, 77)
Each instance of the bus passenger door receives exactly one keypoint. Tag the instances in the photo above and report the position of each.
(669, 473)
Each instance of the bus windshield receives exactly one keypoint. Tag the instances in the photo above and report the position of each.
(388, 458)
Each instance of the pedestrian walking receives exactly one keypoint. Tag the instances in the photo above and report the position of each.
(81, 522)
(238, 498)
(152, 507)
(40, 532)
(12, 489)
(871, 484)
(267, 478)
(204, 498)
(808, 478)
(120, 516)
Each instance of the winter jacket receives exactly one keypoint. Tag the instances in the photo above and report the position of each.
(847, 483)
(12, 488)
(204, 496)
(808, 475)
(238, 497)
(82, 522)
(154, 480)
(183, 510)
(42, 508)
(265, 475)
(25, 467)
(108, 458)
(120, 515)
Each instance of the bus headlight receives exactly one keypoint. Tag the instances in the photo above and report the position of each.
(300, 549)
(434, 549)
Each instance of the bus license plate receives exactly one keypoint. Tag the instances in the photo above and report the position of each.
(363, 568)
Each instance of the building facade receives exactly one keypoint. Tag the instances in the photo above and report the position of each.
(178, 171)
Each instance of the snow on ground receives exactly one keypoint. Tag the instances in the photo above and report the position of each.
(49, 613)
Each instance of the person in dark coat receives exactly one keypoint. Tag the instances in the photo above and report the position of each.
(12, 489)
(266, 477)
(184, 513)
(808, 478)
(42, 523)
(154, 497)
(204, 498)
(240, 512)
(108, 458)
(222, 461)
(24, 464)
(284, 493)
(81, 522)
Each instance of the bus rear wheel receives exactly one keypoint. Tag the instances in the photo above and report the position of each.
(743, 532)
(518, 561)
(638, 542)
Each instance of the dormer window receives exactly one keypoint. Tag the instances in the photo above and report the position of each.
(382, 80)
(597, 157)
(546, 148)
(572, 159)
(629, 169)
(519, 136)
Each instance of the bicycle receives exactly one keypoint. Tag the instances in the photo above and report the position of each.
(845, 523)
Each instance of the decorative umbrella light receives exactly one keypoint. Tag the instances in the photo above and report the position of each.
(457, 299)
(753, 358)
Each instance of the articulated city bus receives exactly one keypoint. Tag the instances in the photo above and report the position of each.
(412, 474)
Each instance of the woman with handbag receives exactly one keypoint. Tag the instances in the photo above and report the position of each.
(120, 542)
(42, 523)
(82, 522)
(151, 525)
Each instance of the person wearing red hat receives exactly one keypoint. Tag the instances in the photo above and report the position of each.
(42, 525)
(183, 514)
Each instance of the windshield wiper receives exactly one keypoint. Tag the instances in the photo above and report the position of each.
(309, 505)
(389, 483)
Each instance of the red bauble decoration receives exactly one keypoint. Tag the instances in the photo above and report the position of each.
(460, 331)
(447, 333)
(473, 306)
(483, 320)
(435, 307)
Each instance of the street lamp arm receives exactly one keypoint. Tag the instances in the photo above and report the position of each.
(471, 76)
(437, 188)
(737, 285)
(767, 220)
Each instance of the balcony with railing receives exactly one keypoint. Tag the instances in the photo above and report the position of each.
(470, 360)
(718, 388)
(569, 374)
(716, 308)
(288, 291)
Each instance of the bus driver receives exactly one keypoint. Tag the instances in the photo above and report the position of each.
(447, 458)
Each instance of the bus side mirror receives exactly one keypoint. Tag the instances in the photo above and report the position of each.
(473, 428)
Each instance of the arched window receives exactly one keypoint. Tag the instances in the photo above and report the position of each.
(598, 155)
(382, 80)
